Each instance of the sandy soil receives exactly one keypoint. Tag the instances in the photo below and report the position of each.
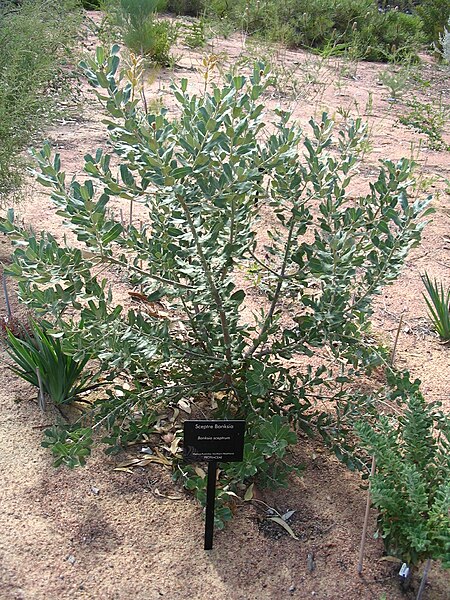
(101, 534)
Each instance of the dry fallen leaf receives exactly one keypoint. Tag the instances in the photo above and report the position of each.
(158, 493)
(283, 524)
(164, 460)
(160, 460)
(200, 472)
(249, 493)
(392, 559)
(174, 445)
(230, 493)
(132, 462)
(185, 406)
(144, 462)
(176, 412)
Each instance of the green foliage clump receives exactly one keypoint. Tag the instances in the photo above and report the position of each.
(355, 26)
(135, 22)
(411, 486)
(435, 15)
(70, 446)
(429, 119)
(192, 8)
(438, 302)
(35, 37)
(62, 376)
(202, 180)
(91, 4)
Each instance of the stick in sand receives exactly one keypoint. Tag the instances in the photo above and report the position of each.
(424, 579)
(394, 349)
(366, 520)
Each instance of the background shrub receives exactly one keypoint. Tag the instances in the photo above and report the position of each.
(376, 30)
(91, 4)
(192, 8)
(151, 39)
(435, 15)
(36, 38)
(135, 23)
(357, 24)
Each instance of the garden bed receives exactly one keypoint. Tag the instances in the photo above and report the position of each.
(102, 533)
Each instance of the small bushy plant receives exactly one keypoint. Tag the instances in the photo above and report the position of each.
(194, 34)
(151, 39)
(135, 22)
(411, 486)
(429, 119)
(202, 179)
(396, 80)
(445, 43)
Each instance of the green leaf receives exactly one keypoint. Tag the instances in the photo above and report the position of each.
(112, 234)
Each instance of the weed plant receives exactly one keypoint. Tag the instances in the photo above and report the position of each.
(36, 39)
(194, 34)
(445, 43)
(429, 119)
(396, 80)
(294, 82)
(203, 179)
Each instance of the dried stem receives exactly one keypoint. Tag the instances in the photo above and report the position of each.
(424, 579)
(394, 349)
(366, 520)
